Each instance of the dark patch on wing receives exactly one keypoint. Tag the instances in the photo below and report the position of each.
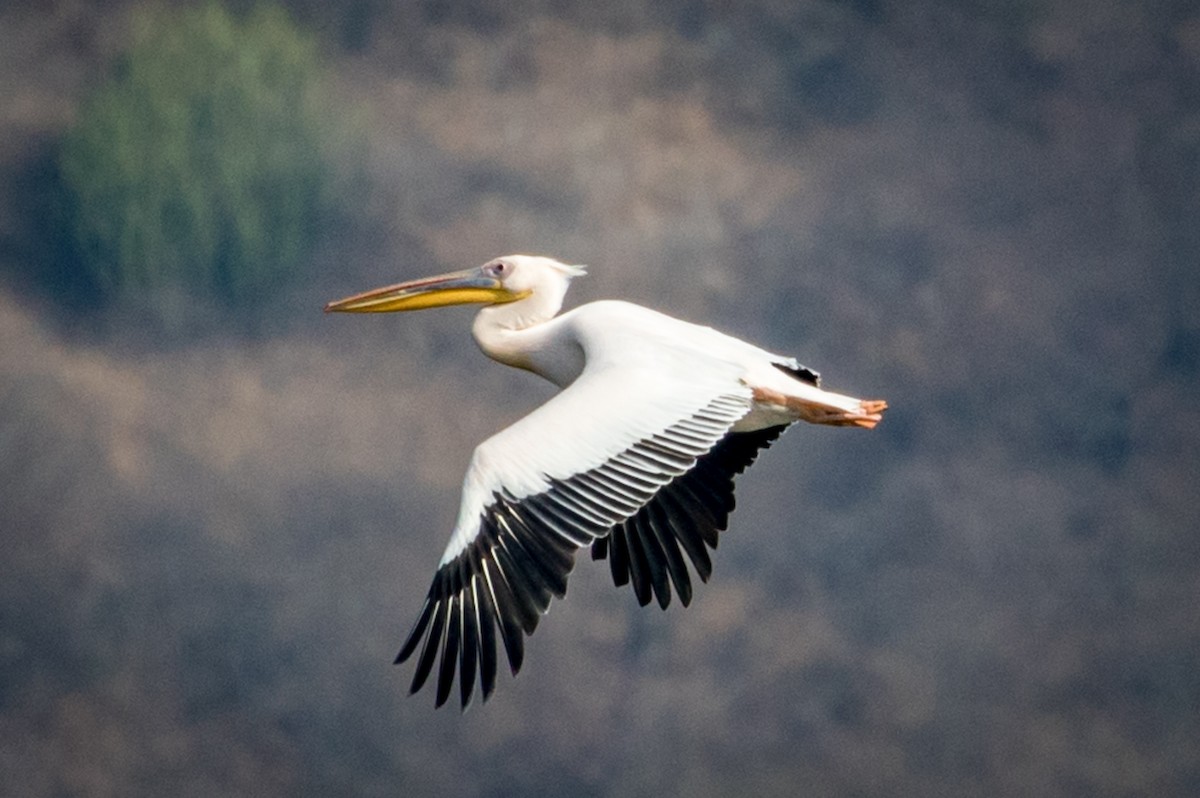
(802, 373)
(525, 548)
(504, 579)
(684, 516)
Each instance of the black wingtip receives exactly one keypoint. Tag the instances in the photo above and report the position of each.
(469, 661)
(417, 632)
(685, 593)
(430, 649)
(450, 652)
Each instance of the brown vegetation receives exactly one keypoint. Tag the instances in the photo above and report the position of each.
(213, 544)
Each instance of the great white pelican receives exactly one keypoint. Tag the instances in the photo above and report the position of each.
(635, 457)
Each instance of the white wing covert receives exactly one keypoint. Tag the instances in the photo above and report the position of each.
(559, 479)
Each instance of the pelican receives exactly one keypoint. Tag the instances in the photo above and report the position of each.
(635, 457)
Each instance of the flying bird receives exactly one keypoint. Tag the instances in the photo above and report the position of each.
(635, 457)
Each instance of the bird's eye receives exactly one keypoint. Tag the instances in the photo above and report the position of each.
(499, 268)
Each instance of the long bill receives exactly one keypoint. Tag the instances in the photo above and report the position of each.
(459, 288)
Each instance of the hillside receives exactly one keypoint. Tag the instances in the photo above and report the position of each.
(215, 541)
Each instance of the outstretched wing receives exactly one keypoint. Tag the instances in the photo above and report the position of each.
(554, 482)
(684, 517)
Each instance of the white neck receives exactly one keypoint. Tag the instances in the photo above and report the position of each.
(496, 328)
(529, 340)
(538, 307)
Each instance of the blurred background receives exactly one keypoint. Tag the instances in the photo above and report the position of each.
(220, 509)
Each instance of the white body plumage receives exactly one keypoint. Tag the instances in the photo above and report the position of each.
(635, 456)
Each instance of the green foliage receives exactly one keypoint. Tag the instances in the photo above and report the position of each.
(206, 164)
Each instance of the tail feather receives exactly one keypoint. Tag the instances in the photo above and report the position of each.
(795, 370)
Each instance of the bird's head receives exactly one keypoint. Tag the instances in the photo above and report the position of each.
(533, 285)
